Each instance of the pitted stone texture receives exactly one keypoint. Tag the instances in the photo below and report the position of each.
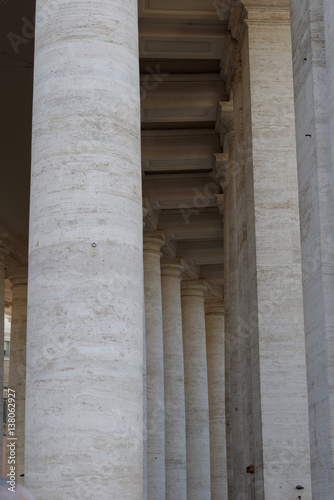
(175, 419)
(84, 402)
(196, 390)
(17, 365)
(215, 352)
(154, 370)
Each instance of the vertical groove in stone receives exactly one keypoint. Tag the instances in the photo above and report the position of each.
(154, 370)
(175, 420)
(196, 391)
(84, 401)
(17, 365)
(215, 351)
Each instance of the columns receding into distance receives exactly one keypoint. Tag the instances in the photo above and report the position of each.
(3, 254)
(17, 366)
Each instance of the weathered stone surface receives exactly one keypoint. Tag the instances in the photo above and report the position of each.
(84, 408)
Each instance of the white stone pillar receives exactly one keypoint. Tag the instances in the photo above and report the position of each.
(175, 419)
(312, 42)
(278, 368)
(154, 370)
(215, 351)
(196, 390)
(17, 364)
(84, 401)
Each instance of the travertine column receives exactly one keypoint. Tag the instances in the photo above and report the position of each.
(154, 370)
(3, 253)
(215, 352)
(84, 401)
(312, 42)
(175, 419)
(278, 370)
(145, 212)
(17, 364)
(196, 390)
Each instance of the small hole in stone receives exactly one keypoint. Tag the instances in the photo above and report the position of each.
(94, 245)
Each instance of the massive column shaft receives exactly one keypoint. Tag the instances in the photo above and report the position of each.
(154, 370)
(280, 410)
(17, 365)
(215, 351)
(312, 41)
(196, 391)
(84, 404)
(175, 420)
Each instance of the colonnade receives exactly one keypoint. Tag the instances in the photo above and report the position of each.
(18, 280)
(180, 422)
(214, 418)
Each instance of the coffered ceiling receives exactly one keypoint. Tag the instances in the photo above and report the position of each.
(180, 44)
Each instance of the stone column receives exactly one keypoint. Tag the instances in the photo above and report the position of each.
(145, 212)
(278, 369)
(84, 402)
(215, 351)
(17, 364)
(154, 370)
(312, 41)
(175, 419)
(3, 253)
(196, 390)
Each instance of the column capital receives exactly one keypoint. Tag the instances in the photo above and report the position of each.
(172, 267)
(17, 276)
(170, 248)
(153, 245)
(214, 307)
(196, 288)
(245, 12)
